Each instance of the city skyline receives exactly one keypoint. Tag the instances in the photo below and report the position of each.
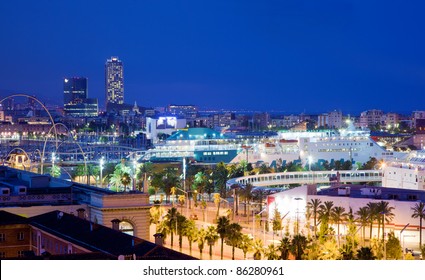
(269, 56)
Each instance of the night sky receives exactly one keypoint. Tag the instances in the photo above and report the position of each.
(284, 55)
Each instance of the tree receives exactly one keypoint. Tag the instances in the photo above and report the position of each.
(373, 211)
(363, 218)
(419, 212)
(211, 237)
(181, 224)
(55, 171)
(338, 215)
(181, 199)
(247, 196)
(314, 206)
(284, 248)
(365, 253)
(325, 212)
(155, 214)
(217, 200)
(170, 180)
(246, 244)
(220, 177)
(271, 252)
(387, 215)
(157, 182)
(370, 164)
(233, 236)
(125, 180)
(298, 245)
(200, 238)
(258, 248)
(171, 219)
(393, 247)
(189, 230)
(222, 224)
(276, 222)
(143, 173)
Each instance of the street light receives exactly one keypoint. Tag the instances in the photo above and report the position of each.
(401, 231)
(296, 212)
(310, 160)
(53, 160)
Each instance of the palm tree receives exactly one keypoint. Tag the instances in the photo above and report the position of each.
(181, 223)
(157, 182)
(115, 180)
(200, 182)
(363, 218)
(419, 212)
(144, 172)
(298, 245)
(155, 213)
(365, 253)
(233, 236)
(338, 215)
(314, 206)
(200, 238)
(222, 224)
(220, 177)
(270, 252)
(373, 211)
(125, 180)
(247, 196)
(258, 248)
(284, 248)
(387, 215)
(217, 200)
(171, 219)
(170, 180)
(325, 211)
(211, 237)
(246, 244)
(189, 230)
(181, 199)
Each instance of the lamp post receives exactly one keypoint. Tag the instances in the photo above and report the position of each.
(53, 160)
(101, 162)
(401, 231)
(297, 210)
(383, 235)
(310, 160)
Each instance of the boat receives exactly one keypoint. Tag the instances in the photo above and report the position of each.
(201, 145)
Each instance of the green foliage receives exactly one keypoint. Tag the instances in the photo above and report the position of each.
(365, 253)
(393, 247)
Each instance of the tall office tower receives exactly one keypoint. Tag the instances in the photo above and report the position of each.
(114, 81)
(76, 103)
(74, 88)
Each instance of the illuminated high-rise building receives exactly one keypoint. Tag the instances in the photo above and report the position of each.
(114, 81)
(76, 103)
(74, 88)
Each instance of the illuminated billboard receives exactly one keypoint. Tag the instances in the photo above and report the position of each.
(166, 122)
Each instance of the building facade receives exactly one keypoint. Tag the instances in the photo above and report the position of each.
(76, 101)
(114, 81)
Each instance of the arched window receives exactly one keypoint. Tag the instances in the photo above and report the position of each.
(127, 228)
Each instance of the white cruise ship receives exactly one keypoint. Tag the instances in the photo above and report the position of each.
(346, 144)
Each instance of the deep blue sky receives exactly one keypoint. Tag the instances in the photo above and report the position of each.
(285, 55)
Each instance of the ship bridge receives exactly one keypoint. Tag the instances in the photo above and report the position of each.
(309, 177)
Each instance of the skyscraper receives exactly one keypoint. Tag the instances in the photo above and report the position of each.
(74, 88)
(114, 81)
(76, 103)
